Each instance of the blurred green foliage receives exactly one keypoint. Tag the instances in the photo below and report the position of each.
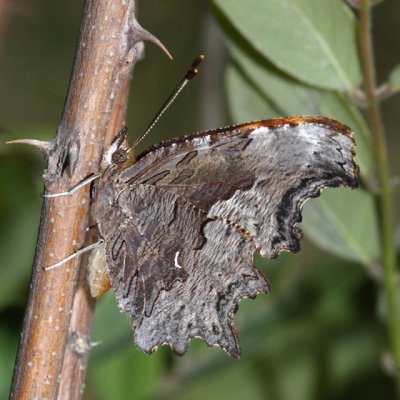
(318, 335)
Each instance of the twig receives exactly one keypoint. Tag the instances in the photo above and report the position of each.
(107, 49)
(74, 370)
(385, 197)
(73, 375)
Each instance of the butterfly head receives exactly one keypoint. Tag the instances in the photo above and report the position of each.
(119, 152)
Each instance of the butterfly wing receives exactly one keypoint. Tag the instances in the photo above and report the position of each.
(192, 212)
(257, 175)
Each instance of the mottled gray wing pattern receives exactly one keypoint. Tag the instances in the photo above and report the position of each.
(142, 254)
(181, 224)
(258, 176)
(177, 273)
(218, 277)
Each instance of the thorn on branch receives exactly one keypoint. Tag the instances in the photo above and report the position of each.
(42, 145)
(138, 34)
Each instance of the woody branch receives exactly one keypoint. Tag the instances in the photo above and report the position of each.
(108, 47)
(79, 344)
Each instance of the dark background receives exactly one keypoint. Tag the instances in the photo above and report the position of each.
(318, 335)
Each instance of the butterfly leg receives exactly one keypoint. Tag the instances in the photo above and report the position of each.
(81, 184)
(77, 253)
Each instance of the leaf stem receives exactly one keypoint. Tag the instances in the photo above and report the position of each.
(385, 196)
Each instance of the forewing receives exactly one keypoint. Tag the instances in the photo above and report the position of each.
(256, 175)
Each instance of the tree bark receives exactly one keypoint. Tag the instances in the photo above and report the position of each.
(109, 44)
(73, 376)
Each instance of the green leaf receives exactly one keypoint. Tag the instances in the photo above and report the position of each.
(394, 79)
(254, 86)
(343, 222)
(289, 97)
(245, 101)
(312, 42)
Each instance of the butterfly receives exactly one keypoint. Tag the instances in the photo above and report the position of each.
(180, 223)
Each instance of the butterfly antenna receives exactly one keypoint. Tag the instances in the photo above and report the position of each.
(190, 74)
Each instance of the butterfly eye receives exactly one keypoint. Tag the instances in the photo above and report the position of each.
(119, 156)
